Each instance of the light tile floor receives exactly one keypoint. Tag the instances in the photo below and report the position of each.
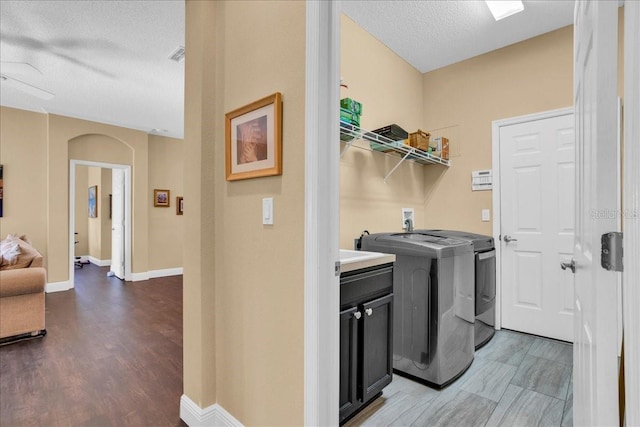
(514, 380)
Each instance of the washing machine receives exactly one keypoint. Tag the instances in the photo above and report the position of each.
(485, 281)
(434, 312)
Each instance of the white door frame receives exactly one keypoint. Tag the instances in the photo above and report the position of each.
(631, 240)
(322, 207)
(72, 214)
(497, 219)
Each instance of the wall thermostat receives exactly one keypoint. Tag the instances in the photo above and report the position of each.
(481, 180)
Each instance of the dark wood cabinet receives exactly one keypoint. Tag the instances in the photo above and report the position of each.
(366, 336)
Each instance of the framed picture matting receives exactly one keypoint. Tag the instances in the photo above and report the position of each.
(253, 139)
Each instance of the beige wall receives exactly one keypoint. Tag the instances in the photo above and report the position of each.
(528, 77)
(166, 169)
(81, 211)
(99, 228)
(23, 154)
(103, 207)
(253, 336)
(95, 224)
(390, 92)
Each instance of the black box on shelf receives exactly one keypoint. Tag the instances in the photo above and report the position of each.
(393, 132)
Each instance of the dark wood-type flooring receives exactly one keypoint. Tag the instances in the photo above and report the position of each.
(112, 357)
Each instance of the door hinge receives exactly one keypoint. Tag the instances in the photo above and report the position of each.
(337, 268)
(611, 256)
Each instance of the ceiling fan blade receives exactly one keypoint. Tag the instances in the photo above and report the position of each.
(19, 68)
(25, 87)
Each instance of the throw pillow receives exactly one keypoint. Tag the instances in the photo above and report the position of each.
(10, 250)
(26, 254)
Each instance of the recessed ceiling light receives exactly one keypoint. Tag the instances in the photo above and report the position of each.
(503, 8)
(178, 54)
(156, 130)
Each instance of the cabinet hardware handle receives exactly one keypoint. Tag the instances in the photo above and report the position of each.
(369, 311)
(357, 315)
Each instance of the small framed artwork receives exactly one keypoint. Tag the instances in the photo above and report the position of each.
(253, 137)
(161, 198)
(179, 205)
(93, 201)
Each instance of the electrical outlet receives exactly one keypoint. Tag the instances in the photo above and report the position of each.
(407, 213)
(485, 215)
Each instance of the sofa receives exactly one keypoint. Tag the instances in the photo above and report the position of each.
(22, 283)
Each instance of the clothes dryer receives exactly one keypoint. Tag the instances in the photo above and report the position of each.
(484, 280)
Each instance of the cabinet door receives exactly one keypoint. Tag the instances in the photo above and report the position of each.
(348, 361)
(377, 346)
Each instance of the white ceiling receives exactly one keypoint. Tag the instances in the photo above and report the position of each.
(436, 33)
(107, 61)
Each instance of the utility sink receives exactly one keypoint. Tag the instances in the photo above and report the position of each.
(355, 260)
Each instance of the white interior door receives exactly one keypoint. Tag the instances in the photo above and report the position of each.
(537, 225)
(595, 362)
(117, 223)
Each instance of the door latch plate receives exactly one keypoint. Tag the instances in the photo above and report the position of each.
(611, 256)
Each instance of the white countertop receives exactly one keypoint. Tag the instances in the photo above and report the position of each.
(351, 260)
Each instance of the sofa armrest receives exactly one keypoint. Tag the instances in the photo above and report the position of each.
(22, 281)
(37, 262)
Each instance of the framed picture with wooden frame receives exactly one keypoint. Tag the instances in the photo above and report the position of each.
(161, 198)
(179, 205)
(253, 137)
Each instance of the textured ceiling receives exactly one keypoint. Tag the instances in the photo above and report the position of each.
(433, 34)
(107, 61)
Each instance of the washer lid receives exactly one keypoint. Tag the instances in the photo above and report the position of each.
(417, 244)
(480, 242)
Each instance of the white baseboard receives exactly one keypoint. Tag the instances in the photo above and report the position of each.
(99, 262)
(165, 273)
(58, 286)
(138, 277)
(214, 415)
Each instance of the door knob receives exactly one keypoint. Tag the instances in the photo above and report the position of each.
(357, 315)
(369, 311)
(570, 265)
(508, 239)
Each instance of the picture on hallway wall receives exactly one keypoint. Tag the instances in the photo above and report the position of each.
(161, 198)
(93, 201)
(1, 191)
(253, 137)
(179, 205)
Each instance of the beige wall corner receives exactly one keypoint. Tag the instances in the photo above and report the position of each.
(390, 91)
(82, 207)
(95, 224)
(199, 334)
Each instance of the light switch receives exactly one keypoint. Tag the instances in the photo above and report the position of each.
(267, 211)
(485, 215)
